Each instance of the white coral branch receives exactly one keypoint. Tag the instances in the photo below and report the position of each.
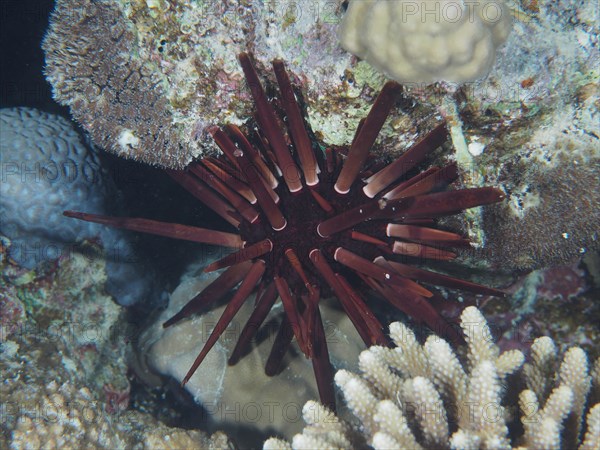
(574, 374)
(413, 360)
(393, 424)
(478, 336)
(406, 396)
(542, 366)
(591, 440)
(429, 410)
(485, 415)
(447, 372)
(358, 396)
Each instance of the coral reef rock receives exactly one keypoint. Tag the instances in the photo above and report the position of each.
(422, 397)
(147, 78)
(241, 393)
(424, 42)
(64, 375)
(554, 209)
(531, 127)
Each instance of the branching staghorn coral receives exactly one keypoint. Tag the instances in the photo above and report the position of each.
(418, 396)
(545, 411)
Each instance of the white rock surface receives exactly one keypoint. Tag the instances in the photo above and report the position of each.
(242, 394)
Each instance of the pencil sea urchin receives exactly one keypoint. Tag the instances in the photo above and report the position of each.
(313, 223)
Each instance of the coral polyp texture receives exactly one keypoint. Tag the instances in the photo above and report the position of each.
(313, 223)
(554, 210)
(423, 397)
(424, 42)
(46, 168)
(117, 97)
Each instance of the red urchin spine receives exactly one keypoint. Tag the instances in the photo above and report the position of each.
(330, 218)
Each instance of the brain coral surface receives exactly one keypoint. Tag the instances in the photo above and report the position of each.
(46, 168)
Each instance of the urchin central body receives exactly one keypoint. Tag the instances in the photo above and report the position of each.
(302, 217)
(300, 236)
(313, 223)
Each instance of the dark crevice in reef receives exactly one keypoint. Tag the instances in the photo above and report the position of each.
(175, 407)
(22, 81)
